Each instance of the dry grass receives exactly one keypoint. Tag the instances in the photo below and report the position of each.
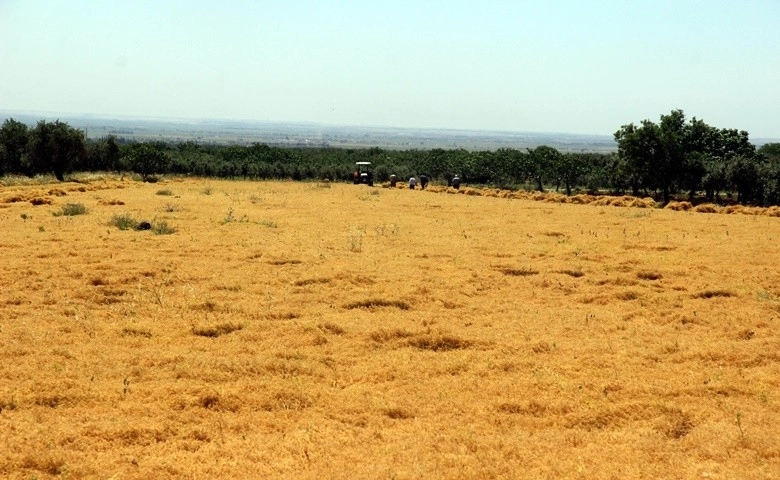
(486, 334)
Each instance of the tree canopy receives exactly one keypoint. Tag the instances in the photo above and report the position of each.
(14, 136)
(55, 147)
(679, 155)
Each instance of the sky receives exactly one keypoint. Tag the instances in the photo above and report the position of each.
(559, 66)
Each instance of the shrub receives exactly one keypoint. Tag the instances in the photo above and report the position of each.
(71, 209)
(123, 221)
(162, 228)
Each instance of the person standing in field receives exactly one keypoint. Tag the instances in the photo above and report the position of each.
(423, 182)
(393, 180)
(456, 182)
(412, 183)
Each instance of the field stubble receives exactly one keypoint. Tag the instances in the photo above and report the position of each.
(287, 330)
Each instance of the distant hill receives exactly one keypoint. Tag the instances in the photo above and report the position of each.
(315, 134)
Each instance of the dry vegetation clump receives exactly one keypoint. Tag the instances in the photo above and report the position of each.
(582, 199)
(604, 201)
(378, 303)
(136, 332)
(520, 195)
(679, 206)
(649, 275)
(518, 272)
(111, 201)
(646, 202)
(556, 198)
(332, 328)
(478, 337)
(773, 211)
(608, 200)
(16, 197)
(706, 208)
(505, 194)
(384, 336)
(311, 281)
(398, 413)
(41, 201)
(217, 330)
(576, 273)
(711, 293)
(733, 209)
(439, 343)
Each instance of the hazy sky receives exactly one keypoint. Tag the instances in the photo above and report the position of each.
(544, 66)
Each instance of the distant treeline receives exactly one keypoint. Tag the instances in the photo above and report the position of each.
(672, 158)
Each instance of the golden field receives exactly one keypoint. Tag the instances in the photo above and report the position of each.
(304, 330)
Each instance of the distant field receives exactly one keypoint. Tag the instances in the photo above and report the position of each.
(309, 134)
(304, 330)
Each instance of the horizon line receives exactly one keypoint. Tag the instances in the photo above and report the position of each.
(50, 114)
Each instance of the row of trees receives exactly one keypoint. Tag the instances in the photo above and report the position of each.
(676, 155)
(672, 157)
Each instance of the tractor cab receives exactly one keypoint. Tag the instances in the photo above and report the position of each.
(363, 174)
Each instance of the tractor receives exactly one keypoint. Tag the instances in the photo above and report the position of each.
(363, 174)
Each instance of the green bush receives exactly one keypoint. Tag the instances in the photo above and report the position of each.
(71, 209)
(162, 228)
(123, 221)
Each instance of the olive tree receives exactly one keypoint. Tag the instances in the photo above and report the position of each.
(14, 136)
(54, 147)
